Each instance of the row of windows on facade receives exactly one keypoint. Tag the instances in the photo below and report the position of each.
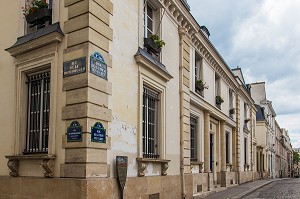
(39, 101)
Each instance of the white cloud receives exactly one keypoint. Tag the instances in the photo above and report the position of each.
(262, 37)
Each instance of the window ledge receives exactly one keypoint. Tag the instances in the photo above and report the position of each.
(143, 162)
(48, 163)
(201, 165)
(230, 166)
(143, 58)
(37, 39)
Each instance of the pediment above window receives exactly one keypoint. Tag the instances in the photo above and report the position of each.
(37, 39)
(144, 59)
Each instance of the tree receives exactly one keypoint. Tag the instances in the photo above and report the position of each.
(296, 157)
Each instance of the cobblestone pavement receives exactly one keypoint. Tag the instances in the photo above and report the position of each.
(242, 190)
(287, 188)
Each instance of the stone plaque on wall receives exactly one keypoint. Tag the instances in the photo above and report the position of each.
(74, 67)
(121, 166)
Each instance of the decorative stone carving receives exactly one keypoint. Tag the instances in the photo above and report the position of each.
(47, 163)
(141, 168)
(13, 165)
(48, 166)
(143, 162)
(230, 166)
(164, 168)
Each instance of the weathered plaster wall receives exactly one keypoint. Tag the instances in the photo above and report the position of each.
(123, 129)
(10, 32)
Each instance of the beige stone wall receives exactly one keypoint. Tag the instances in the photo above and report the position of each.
(196, 184)
(63, 188)
(245, 176)
(231, 178)
(10, 32)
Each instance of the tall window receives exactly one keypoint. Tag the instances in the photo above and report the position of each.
(227, 148)
(150, 123)
(38, 113)
(245, 150)
(217, 85)
(193, 139)
(198, 67)
(148, 20)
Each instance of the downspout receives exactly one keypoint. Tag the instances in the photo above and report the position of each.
(181, 32)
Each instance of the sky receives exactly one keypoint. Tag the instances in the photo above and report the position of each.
(263, 38)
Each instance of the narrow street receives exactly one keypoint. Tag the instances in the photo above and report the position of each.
(287, 188)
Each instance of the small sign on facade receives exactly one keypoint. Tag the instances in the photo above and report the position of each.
(98, 133)
(74, 132)
(122, 165)
(98, 65)
(74, 67)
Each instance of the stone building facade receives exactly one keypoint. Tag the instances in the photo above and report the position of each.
(84, 85)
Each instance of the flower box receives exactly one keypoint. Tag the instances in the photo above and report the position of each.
(151, 45)
(39, 16)
(199, 87)
(219, 100)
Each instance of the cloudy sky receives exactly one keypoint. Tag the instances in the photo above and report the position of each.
(263, 38)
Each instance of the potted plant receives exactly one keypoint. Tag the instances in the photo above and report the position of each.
(232, 111)
(219, 100)
(37, 12)
(154, 43)
(247, 120)
(200, 85)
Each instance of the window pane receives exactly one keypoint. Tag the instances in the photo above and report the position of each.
(150, 101)
(38, 113)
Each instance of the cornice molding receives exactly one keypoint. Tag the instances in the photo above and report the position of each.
(184, 19)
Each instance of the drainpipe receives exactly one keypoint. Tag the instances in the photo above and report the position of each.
(181, 32)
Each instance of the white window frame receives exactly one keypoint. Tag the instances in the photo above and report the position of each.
(44, 63)
(195, 152)
(151, 81)
(150, 137)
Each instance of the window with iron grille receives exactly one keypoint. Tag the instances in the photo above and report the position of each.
(193, 122)
(227, 147)
(38, 113)
(150, 123)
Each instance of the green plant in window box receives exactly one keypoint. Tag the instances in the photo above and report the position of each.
(219, 100)
(159, 42)
(154, 44)
(247, 120)
(200, 85)
(37, 11)
(232, 111)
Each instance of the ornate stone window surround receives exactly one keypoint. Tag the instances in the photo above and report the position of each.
(36, 55)
(154, 75)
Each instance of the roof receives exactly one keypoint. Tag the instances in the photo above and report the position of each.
(260, 116)
(37, 34)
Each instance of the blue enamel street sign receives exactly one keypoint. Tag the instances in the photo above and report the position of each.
(98, 65)
(74, 132)
(98, 133)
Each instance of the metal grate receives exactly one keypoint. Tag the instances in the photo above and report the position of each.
(193, 139)
(38, 113)
(150, 124)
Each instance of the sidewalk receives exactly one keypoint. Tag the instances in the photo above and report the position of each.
(238, 191)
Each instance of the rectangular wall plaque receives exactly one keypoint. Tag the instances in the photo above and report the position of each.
(98, 133)
(98, 65)
(74, 133)
(74, 67)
